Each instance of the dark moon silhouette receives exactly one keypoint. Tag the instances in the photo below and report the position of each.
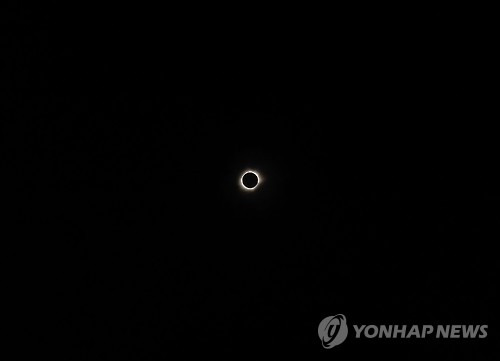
(250, 180)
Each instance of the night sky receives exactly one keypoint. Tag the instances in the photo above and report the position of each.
(379, 193)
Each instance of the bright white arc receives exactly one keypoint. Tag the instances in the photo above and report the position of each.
(244, 174)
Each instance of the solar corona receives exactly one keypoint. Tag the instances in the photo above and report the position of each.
(250, 180)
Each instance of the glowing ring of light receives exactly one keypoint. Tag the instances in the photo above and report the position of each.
(245, 187)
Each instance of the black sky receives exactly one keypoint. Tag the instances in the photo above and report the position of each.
(127, 146)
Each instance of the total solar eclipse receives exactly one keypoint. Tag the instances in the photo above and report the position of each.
(250, 180)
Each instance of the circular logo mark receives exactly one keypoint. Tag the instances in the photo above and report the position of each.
(332, 330)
